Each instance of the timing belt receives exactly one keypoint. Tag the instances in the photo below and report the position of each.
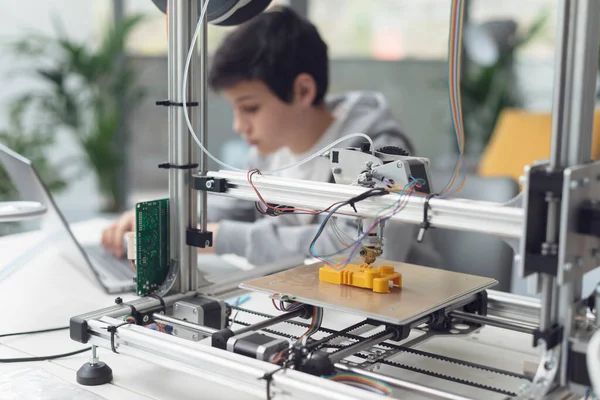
(337, 334)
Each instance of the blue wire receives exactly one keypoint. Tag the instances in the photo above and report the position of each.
(453, 77)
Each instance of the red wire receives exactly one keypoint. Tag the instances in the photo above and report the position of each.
(275, 305)
(251, 173)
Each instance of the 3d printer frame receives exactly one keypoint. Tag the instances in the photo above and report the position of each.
(556, 233)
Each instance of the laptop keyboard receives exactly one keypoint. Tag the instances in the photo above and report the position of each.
(103, 260)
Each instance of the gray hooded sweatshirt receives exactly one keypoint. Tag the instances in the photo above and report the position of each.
(263, 240)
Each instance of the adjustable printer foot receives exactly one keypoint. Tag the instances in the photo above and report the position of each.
(95, 372)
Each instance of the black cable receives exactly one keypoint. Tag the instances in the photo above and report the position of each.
(43, 358)
(32, 332)
(268, 376)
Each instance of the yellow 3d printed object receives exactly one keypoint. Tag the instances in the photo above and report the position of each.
(362, 275)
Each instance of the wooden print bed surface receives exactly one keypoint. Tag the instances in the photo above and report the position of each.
(423, 291)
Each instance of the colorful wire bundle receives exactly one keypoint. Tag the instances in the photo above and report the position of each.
(362, 382)
(382, 216)
(283, 306)
(315, 325)
(454, 73)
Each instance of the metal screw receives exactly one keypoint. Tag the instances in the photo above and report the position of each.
(209, 184)
(549, 365)
(195, 311)
(337, 170)
(207, 243)
(175, 332)
(574, 185)
(272, 283)
(176, 307)
(568, 267)
(94, 359)
(194, 337)
(399, 164)
(146, 318)
(585, 181)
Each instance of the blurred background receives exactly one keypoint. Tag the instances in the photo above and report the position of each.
(79, 80)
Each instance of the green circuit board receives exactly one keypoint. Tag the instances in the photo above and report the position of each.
(152, 245)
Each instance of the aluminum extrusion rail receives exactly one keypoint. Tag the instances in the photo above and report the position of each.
(465, 215)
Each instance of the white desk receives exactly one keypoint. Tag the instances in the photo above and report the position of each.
(46, 291)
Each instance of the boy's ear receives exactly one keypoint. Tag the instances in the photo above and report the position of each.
(305, 90)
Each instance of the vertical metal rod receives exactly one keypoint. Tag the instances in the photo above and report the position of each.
(122, 138)
(547, 286)
(585, 72)
(560, 82)
(560, 118)
(201, 202)
(181, 19)
(560, 114)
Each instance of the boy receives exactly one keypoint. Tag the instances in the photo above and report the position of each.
(273, 70)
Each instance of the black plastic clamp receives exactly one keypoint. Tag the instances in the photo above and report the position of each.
(401, 332)
(162, 301)
(198, 238)
(207, 184)
(112, 329)
(479, 306)
(425, 225)
(440, 321)
(169, 103)
(173, 166)
(552, 336)
(134, 313)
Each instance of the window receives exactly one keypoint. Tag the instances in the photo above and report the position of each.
(383, 29)
(524, 13)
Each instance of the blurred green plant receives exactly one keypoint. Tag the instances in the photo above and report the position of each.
(86, 91)
(31, 142)
(486, 91)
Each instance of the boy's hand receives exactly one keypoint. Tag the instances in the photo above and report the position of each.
(211, 227)
(112, 237)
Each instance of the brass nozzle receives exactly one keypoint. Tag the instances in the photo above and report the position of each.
(370, 254)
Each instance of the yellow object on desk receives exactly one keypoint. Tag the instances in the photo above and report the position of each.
(362, 275)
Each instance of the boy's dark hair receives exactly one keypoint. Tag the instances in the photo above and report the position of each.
(274, 47)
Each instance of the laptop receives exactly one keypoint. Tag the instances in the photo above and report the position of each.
(114, 275)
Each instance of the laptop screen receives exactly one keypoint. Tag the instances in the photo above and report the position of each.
(53, 224)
